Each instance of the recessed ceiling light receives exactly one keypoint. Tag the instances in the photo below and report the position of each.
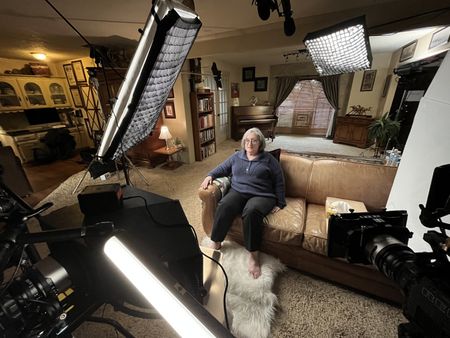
(39, 56)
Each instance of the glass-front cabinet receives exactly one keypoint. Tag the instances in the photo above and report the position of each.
(58, 95)
(10, 98)
(26, 92)
(33, 90)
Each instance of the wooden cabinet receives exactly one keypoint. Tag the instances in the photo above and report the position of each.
(203, 124)
(10, 95)
(57, 93)
(352, 130)
(28, 92)
(33, 89)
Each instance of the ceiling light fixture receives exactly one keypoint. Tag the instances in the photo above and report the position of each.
(342, 48)
(39, 56)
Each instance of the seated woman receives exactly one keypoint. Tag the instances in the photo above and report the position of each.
(257, 188)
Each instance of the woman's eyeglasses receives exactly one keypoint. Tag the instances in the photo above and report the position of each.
(251, 141)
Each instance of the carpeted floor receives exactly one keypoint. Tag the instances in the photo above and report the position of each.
(308, 307)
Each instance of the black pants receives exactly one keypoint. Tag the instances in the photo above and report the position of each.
(253, 210)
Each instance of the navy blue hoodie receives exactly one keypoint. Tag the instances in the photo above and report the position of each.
(261, 177)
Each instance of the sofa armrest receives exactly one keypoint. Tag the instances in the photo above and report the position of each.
(209, 197)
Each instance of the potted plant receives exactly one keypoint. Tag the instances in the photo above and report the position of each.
(382, 131)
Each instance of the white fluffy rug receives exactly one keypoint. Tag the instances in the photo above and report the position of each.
(251, 304)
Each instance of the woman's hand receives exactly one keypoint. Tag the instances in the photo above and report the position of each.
(206, 182)
(275, 209)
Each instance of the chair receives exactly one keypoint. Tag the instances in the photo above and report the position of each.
(13, 173)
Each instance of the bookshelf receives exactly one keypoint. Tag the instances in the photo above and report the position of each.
(203, 124)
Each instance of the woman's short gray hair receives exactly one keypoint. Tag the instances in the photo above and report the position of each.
(259, 134)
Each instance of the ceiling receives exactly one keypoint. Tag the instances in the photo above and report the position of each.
(232, 29)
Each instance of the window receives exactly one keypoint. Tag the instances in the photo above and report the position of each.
(305, 111)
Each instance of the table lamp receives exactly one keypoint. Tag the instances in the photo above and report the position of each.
(165, 135)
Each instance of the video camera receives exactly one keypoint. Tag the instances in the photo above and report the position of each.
(381, 239)
(52, 296)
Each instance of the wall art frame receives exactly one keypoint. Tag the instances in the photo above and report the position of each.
(248, 74)
(368, 80)
(70, 75)
(169, 110)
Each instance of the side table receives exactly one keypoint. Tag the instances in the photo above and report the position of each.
(171, 163)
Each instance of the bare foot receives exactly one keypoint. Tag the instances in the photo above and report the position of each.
(215, 245)
(254, 268)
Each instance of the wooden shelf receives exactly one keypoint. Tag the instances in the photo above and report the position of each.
(202, 110)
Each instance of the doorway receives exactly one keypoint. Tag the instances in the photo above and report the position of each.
(415, 78)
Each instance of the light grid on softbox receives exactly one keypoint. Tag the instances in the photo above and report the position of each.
(343, 48)
(161, 79)
(166, 39)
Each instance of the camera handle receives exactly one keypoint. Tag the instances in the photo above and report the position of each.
(432, 219)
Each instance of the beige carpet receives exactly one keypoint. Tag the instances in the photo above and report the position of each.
(308, 307)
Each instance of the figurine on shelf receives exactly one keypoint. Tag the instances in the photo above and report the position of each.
(253, 100)
(359, 110)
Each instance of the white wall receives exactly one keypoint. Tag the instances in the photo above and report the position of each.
(428, 146)
(247, 89)
(371, 98)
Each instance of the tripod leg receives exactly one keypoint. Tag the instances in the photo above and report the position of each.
(82, 178)
(137, 170)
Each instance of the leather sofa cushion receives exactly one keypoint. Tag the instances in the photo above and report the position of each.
(364, 182)
(296, 171)
(285, 226)
(316, 229)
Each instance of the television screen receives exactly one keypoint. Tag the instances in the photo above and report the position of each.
(42, 116)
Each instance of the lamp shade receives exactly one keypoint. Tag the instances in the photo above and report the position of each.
(165, 133)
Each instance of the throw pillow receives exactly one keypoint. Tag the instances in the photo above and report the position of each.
(276, 153)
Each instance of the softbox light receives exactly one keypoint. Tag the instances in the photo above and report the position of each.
(342, 48)
(167, 37)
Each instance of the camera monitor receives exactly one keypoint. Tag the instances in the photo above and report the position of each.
(439, 193)
(166, 40)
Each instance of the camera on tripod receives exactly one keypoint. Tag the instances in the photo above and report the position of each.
(381, 239)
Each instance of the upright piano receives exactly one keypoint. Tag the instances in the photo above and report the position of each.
(246, 117)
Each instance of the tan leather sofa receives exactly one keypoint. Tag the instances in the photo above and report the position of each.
(297, 235)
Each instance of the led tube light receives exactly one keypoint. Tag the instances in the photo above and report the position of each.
(182, 320)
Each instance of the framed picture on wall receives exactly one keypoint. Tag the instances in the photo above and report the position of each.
(78, 70)
(368, 80)
(248, 74)
(261, 84)
(408, 51)
(440, 37)
(169, 110)
(70, 76)
(76, 97)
